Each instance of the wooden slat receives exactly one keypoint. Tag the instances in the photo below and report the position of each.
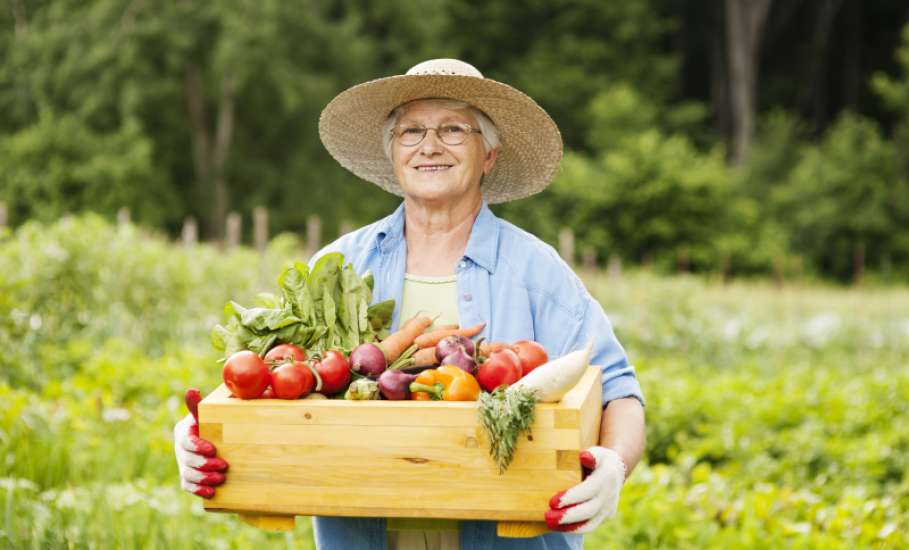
(381, 458)
(592, 412)
(453, 437)
(466, 479)
(435, 500)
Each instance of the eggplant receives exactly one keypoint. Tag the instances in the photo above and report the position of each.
(395, 385)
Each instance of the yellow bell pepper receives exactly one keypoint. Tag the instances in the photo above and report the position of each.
(446, 383)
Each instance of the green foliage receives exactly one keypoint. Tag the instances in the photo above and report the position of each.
(774, 417)
(846, 194)
(59, 165)
(69, 287)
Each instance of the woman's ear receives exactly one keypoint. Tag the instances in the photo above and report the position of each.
(490, 160)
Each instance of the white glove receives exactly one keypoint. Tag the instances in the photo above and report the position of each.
(585, 506)
(200, 470)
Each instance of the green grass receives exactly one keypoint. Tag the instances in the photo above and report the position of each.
(776, 417)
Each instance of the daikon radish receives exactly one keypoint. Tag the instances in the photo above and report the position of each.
(551, 381)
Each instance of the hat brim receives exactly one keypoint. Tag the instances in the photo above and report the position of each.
(531, 146)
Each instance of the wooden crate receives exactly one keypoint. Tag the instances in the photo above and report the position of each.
(408, 459)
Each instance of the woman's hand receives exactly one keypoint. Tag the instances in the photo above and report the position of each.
(583, 508)
(200, 470)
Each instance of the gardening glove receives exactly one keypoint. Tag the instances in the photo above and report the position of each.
(583, 508)
(200, 469)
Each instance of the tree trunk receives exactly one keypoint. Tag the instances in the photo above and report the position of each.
(852, 77)
(814, 87)
(210, 154)
(719, 74)
(744, 23)
(21, 20)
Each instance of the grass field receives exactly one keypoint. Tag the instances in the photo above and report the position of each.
(776, 417)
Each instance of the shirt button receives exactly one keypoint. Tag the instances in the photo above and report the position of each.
(468, 297)
(462, 264)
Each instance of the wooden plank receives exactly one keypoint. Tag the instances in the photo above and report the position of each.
(592, 413)
(467, 479)
(218, 408)
(381, 458)
(433, 500)
(453, 437)
(521, 529)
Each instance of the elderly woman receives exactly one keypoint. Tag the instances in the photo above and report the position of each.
(450, 141)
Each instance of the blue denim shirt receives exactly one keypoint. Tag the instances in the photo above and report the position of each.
(522, 289)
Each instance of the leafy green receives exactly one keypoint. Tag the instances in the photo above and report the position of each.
(326, 308)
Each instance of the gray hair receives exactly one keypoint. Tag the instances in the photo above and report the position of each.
(488, 130)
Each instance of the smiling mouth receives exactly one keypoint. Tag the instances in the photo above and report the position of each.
(432, 167)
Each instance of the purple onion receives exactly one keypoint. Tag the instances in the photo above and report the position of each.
(395, 385)
(450, 344)
(462, 360)
(368, 360)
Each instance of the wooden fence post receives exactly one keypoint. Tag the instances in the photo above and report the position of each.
(724, 267)
(779, 268)
(260, 228)
(858, 264)
(313, 234)
(682, 259)
(123, 216)
(190, 233)
(345, 227)
(3, 218)
(234, 227)
(614, 268)
(589, 258)
(566, 245)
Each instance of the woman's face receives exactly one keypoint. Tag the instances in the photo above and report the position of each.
(433, 171)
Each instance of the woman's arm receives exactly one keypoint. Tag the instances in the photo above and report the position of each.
(622, 430)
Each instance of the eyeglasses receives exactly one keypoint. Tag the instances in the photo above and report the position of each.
(452, 133)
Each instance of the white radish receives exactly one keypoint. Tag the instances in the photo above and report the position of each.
(552, 380)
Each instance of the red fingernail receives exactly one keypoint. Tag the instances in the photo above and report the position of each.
(212, 478)
(192, 398)
(203, 447)
(588, 460)
(556, 500)
(568, 527)
(213, 465)
(553, 517)
(205, 492)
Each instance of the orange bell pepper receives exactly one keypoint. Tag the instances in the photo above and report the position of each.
(446, 383)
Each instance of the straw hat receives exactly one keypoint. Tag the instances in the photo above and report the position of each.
(531, 145)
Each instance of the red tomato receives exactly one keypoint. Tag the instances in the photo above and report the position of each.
(283, 353)
(334, 369)
(501, 368)
(532, 355)
(269, 393)
(246, 374)
(292, 380)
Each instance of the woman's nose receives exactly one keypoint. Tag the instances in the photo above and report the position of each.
(431, 143)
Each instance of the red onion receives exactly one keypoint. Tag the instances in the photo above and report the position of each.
(450, 344)
(462, 360)
(395, 385)
(368, 360)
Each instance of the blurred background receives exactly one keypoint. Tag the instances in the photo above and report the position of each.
(735, 192)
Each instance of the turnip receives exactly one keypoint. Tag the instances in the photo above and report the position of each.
(368, 360)
(552, 380)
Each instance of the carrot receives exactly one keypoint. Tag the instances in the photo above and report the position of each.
(430, 339)
(403, 338)
(425, 357)
(487, 349)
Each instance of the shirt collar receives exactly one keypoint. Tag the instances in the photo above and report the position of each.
(482, 247)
